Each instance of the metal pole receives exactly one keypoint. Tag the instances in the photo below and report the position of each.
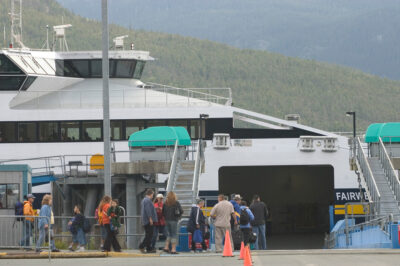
(354, 125)
(106, 101)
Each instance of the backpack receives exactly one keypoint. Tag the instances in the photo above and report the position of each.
(86, 225)
(19, 210)
(244, 217)
(99, 216)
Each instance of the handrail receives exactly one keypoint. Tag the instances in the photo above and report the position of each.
(366, 171)
(128, 97)
(196, 173)
(172, 170)
(193, 90)
(388, 168)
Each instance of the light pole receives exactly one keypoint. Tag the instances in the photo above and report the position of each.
(353, 114)
(202, 116)
(106, 99)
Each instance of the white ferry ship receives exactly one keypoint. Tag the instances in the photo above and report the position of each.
(51, 105)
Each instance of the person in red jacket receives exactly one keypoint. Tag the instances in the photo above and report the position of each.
(158, 226)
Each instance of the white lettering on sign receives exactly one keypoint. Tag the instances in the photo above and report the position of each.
(350, 196)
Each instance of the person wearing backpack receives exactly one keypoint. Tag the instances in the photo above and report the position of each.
(113, 213)
(99, 216)
(28, 221)
(76, 228)
(246, 216)
(172, 211)
(196, 222)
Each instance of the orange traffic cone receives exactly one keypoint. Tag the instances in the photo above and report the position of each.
(247, 258)
(227, 246)
(242, 251)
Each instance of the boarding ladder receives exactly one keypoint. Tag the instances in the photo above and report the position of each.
(184, 177)
(380, 177)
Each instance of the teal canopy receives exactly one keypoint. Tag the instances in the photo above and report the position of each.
(160, 136)
(389, 132)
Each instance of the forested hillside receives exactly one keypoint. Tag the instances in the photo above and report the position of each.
(358, 33)
(261, 81)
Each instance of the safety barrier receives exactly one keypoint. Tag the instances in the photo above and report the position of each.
(25, 232)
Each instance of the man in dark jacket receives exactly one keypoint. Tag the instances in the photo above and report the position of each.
(149, 216)
(259, 209)
(197, 221)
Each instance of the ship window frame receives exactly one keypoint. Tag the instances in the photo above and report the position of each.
(12, 64)
(11, 127)
(66, 136)
(139, 68)
(86, 136)
(56, 137)
(11, 87)
(27, 134)
(27, 83)
(121, 126)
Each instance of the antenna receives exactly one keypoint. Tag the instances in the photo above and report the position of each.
(16, 24)
(60, 35)
(119, 42)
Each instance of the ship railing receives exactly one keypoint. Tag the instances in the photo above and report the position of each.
(389, 170)
(150, 96)
(80, 165)
(214, 95)
(366, 172)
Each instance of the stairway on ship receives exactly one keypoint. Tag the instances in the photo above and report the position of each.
(184, 185)
(389, 204)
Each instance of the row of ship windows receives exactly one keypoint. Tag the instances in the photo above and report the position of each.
(70, 131)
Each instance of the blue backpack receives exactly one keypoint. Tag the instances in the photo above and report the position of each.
(19, 211)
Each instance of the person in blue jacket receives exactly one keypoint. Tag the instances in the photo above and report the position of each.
(235, 200)
(245, 228)
(197, 221)
(44, 222)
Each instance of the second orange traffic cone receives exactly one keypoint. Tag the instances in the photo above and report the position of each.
(242, 251)
(227, 246)
(247, 258)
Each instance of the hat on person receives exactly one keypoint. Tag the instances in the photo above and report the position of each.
(30, 196)
(238, 197)
(160, 196)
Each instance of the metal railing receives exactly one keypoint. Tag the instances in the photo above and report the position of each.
(389, 170)
(24, 232)
(173, 168)
(214, 95)
(79, 165)
(197, 170)
(366, 173)
(13, 233)
(153, 96)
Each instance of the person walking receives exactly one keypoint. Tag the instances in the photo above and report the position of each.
(172, 211)
(113, 213)
(160, 224)
(76, 229)
(148, 217)
(246, 216)
(44, 222)
(222, 213)
(28, 221)
(197, 221)
(260, 211)
(235, 200)
(99, 216)
(110, 236)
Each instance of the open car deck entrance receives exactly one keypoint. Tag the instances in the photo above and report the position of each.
(298, 199)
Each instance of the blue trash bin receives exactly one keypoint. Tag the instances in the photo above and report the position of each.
(183, 240)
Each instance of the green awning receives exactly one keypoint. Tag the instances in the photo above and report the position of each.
(160, 136)
(389, 132)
